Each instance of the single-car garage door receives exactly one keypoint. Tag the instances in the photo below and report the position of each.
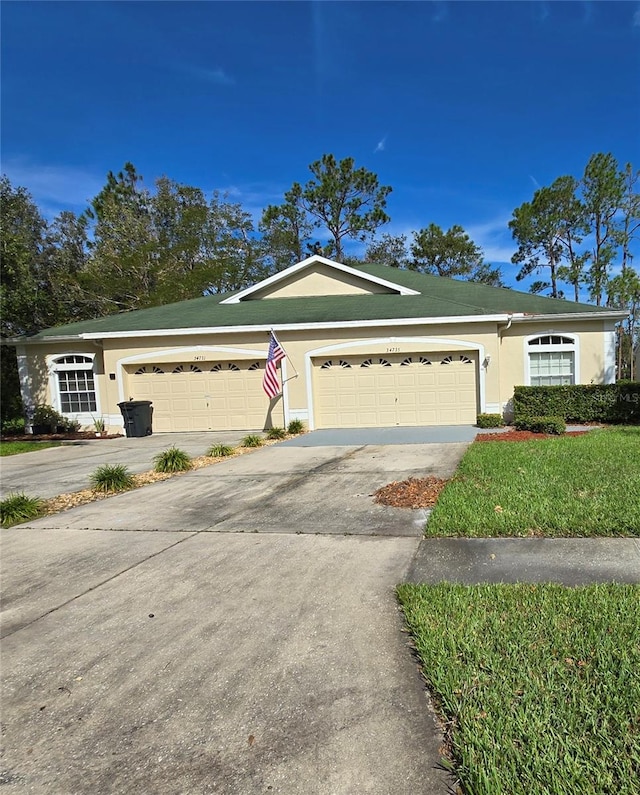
(205, 396)
(387, 390)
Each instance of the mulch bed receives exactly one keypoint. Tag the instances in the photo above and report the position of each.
(411, 493)
(521, 436)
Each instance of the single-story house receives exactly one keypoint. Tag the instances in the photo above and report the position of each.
(366, 346)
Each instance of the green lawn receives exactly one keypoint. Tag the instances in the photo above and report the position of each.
(586, 485)
(539, 685)
(13, 448)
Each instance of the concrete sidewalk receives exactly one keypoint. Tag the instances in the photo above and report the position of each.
(568, 561)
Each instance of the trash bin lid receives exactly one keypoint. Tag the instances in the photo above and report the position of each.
(134, 403)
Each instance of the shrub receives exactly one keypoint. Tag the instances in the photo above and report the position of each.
(16, 508)
(554, 425)
(252, 440)
(13, 427)
(69, 426)
(111, 477)
(295, 426)
(611, 403)
(47, 418)
(220, 451)
(276, 433)
(489, 421)
(172, 460)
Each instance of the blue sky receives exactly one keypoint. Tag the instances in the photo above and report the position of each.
(463, 108)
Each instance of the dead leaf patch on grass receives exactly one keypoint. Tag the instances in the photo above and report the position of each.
(411, 493)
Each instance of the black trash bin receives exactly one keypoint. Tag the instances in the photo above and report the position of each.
(137, 416)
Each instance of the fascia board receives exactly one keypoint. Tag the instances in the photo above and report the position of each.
(614, 314)
(278, 277)
(349, 324)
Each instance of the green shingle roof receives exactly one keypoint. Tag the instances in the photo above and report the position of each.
(439, 297)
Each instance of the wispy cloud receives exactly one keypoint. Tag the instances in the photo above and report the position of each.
(54, 187)
(380, 146)
(440, 11)
(636, 18)
(536, 184)
(494, 237)
(215, 76)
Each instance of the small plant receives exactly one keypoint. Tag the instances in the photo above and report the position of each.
(111, 477)
(70, 426)
(172, 460)
(99, 425)
(220, 451)
(16, 508)
(489, 421)
(276, 433)
(295, 427)
(252, 440)
(554, 425)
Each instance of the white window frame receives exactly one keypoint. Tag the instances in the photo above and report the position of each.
(55, 366)
(572, 347)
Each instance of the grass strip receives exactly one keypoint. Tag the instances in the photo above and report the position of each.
(587, 485)
(538, 685)
(13, 448)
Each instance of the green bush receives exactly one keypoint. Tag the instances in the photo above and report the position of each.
(489, 421)
(13, 427)
(220, 451)
(276, 433)
(172, 460)
(16, 508)
(46, 417)
(252, 440)
(111, 477)
(295, 427)
(554, 425)
(581, 403)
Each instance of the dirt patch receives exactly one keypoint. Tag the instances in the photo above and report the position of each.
(411, 493)
(521, 436)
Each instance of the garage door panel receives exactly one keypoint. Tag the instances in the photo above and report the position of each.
(222, 396)
(416, 389)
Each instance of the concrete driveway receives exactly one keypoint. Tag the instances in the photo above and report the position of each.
(58, 470)
(232, 630)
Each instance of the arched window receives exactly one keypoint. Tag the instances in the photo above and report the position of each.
(552, 360)
(75, 383)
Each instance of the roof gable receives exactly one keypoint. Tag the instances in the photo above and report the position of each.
(317, 276)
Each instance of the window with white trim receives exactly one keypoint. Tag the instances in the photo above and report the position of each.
(76, 385)
(552, 360)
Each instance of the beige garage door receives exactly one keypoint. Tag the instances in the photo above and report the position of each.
(416, 389)
(205, 396)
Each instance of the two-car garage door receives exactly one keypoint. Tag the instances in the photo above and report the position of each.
(205, 395)
(392, 389)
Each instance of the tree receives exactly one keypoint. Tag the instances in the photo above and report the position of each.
(624, 291)
(348, 202)
(485, 274)
(23, 233)
(547, 230)
(389, 250)
(234, 255)
(122, 272)
(602, 196)
(451, 253)
(286, 230)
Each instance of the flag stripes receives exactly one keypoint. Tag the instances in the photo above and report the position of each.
(276, 353)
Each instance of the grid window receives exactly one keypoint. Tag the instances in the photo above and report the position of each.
(77, 391)
(551, 368)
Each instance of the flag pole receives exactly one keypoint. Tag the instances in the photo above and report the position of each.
(272, 332)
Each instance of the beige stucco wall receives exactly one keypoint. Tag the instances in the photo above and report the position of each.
(320, 280)
(500, 353)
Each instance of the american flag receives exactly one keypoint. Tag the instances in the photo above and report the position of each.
(270, 381)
